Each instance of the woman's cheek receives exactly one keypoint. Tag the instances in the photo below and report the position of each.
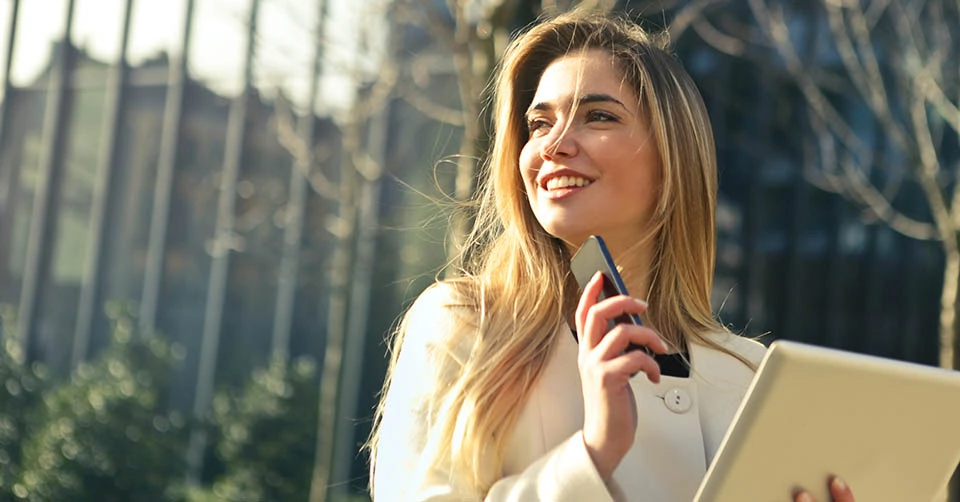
(527, 170)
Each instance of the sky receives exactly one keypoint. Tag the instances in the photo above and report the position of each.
(283, 53)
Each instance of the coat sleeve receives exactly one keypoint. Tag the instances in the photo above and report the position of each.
(565, 473)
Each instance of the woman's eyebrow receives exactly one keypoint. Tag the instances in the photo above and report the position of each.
(601, 98)
(542, 106)
(585, 99)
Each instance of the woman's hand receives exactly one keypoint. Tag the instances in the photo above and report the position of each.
(840, 491)
(610, 411)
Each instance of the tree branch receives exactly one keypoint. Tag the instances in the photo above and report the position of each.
(689, 14)
(365, 164)
(776, 29)
(933, 93)
(438, 28)
(879, 205)
(862, 67)
(301, 150)
(927, 176)
(428, 107)
(851, 182)
(717, 39)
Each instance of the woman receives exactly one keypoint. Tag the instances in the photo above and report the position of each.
(598, 131)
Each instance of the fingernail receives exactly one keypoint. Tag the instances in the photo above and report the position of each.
(804, 497)
(838, 484)
(640, 302)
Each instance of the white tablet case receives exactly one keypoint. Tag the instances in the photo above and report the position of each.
(890, 429)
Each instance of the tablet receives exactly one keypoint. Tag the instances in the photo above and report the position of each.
(890, 429)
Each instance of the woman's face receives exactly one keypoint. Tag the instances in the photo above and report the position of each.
(593, 168)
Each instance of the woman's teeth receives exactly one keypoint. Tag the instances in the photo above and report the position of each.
(566, 182)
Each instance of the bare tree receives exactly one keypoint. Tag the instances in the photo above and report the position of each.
(349, 271)
(468, 39)
(353, 191)
(357, 196)
(897, 60)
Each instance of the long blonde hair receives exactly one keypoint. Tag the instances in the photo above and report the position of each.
(515, 277)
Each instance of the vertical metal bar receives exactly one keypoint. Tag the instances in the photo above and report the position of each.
(166, 166)
(46, 198)
(793, 285)
(793, 290)
(103, 190)
(871, 337)
(900, 336)
(296, 208)
(753, 269)
(720, 111)
(834, 275)
(8, 177)
(216, 293)
(913, 298)
(752, 265)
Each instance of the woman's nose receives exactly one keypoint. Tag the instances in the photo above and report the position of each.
(561, 144)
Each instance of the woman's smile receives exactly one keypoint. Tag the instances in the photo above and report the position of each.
(561, 183)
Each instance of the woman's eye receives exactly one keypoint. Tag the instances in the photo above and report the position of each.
(600, 116)
(536, 125)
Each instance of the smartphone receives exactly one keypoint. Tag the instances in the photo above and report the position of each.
(593, 256)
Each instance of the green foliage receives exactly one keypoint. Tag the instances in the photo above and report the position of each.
(104, 435)
(21, 386)
(266, 435)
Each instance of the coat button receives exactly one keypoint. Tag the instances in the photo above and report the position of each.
(677, 400)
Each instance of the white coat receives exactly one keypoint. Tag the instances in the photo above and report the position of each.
(681, 422)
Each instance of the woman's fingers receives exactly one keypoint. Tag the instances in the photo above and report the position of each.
(593, 319)
(839, 490)
(594, 322)
(630, 363)
(622, 336)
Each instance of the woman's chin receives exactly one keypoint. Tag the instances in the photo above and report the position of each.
(572, 240)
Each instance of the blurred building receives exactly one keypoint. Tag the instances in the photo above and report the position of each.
(795, 261)
(85, 144)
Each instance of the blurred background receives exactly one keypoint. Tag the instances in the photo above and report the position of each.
(213, 211)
